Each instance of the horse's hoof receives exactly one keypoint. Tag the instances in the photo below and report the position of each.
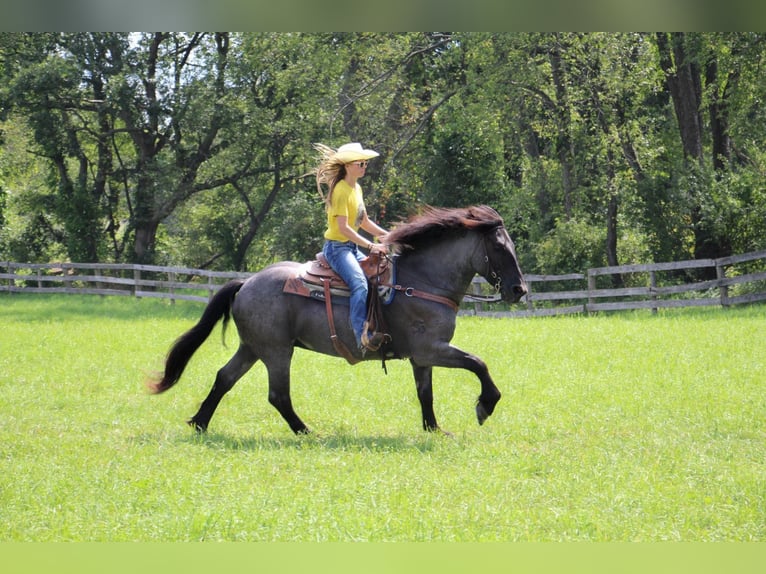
(481, 413)
(436, 429)
(196, 426)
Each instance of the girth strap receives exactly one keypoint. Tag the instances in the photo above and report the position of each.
(340, 347)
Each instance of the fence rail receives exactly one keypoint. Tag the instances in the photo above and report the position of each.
(738, 279)
(174, 283)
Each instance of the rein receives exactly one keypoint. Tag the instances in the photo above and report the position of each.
(412, 292)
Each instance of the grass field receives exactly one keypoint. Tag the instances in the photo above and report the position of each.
(624, 427)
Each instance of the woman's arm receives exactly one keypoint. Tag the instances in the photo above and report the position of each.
(371, 227)
(360, 240)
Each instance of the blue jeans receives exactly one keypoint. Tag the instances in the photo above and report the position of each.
(344, 258)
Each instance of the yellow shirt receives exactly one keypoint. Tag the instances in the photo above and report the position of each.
(346, 202)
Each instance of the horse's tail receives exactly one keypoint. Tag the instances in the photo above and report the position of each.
(186, 345)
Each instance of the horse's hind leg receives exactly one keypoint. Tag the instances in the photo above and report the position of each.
(227, 376)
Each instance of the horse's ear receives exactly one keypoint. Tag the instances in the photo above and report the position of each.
(472, 219)
(481, 216)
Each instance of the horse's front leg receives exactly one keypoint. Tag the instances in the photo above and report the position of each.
(451, 357)
(490, 394)
(424, 386)
(278, 365)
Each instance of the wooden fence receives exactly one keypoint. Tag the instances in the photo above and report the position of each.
(174, 283)
(738, 279)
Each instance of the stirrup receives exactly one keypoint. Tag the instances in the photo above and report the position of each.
(373, 342)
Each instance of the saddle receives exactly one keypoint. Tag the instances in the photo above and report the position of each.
(313, 276)
(317, 280)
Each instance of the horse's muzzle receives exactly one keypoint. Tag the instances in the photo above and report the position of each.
(515, 293)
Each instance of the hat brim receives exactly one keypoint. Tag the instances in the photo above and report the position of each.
(347, 156)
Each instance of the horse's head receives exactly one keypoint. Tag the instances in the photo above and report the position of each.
(501, 267)
(494, 257)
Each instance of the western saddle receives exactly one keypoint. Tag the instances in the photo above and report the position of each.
(316, 279)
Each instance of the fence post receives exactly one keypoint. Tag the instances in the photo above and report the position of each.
(477, 306)
(67, 278)
(99, 285)
(172, 277)
(720, 274)
(653, 286)
(530, 305)
(11, 280)
(591, 288)
(136, 280)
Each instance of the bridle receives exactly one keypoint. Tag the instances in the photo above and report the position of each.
(497, 281)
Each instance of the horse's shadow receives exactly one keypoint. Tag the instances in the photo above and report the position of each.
(343, 442)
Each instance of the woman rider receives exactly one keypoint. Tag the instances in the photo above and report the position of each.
(339, 170)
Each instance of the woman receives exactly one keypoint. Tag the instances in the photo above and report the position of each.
(339, 170)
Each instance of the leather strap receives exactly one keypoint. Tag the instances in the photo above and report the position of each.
(412, 292)
(340, 347)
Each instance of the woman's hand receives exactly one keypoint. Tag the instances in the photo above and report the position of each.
(378, 248)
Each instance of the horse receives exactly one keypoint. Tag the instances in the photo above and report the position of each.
(438, 252)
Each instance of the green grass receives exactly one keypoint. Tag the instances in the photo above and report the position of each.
(623, 427)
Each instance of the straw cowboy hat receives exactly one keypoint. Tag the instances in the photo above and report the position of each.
(353, 152)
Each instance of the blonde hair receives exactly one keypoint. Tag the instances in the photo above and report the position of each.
(329, 171)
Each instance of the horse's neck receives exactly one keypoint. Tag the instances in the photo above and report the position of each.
(446, 265)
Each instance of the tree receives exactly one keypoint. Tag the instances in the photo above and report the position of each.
(130, 125)
(59, 100)
(182, 117)
(394, 86)
(686, 59)
(196, 148)
(570, 102)
(287, 97)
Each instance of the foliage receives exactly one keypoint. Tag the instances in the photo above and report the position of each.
(298, 227)
(191, 148)
(466, 166)
(573, 243)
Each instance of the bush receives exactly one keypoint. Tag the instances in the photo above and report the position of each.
(571, 247)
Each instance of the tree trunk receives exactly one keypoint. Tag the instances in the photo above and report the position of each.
(563, 143)
(719, 124)
(684, 83)
(611, 187)
(144, 242)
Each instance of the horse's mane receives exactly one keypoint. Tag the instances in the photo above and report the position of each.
(433, 222)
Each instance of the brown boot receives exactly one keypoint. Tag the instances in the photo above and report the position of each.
(374, 341)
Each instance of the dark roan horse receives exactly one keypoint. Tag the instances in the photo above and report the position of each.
(439, 252)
